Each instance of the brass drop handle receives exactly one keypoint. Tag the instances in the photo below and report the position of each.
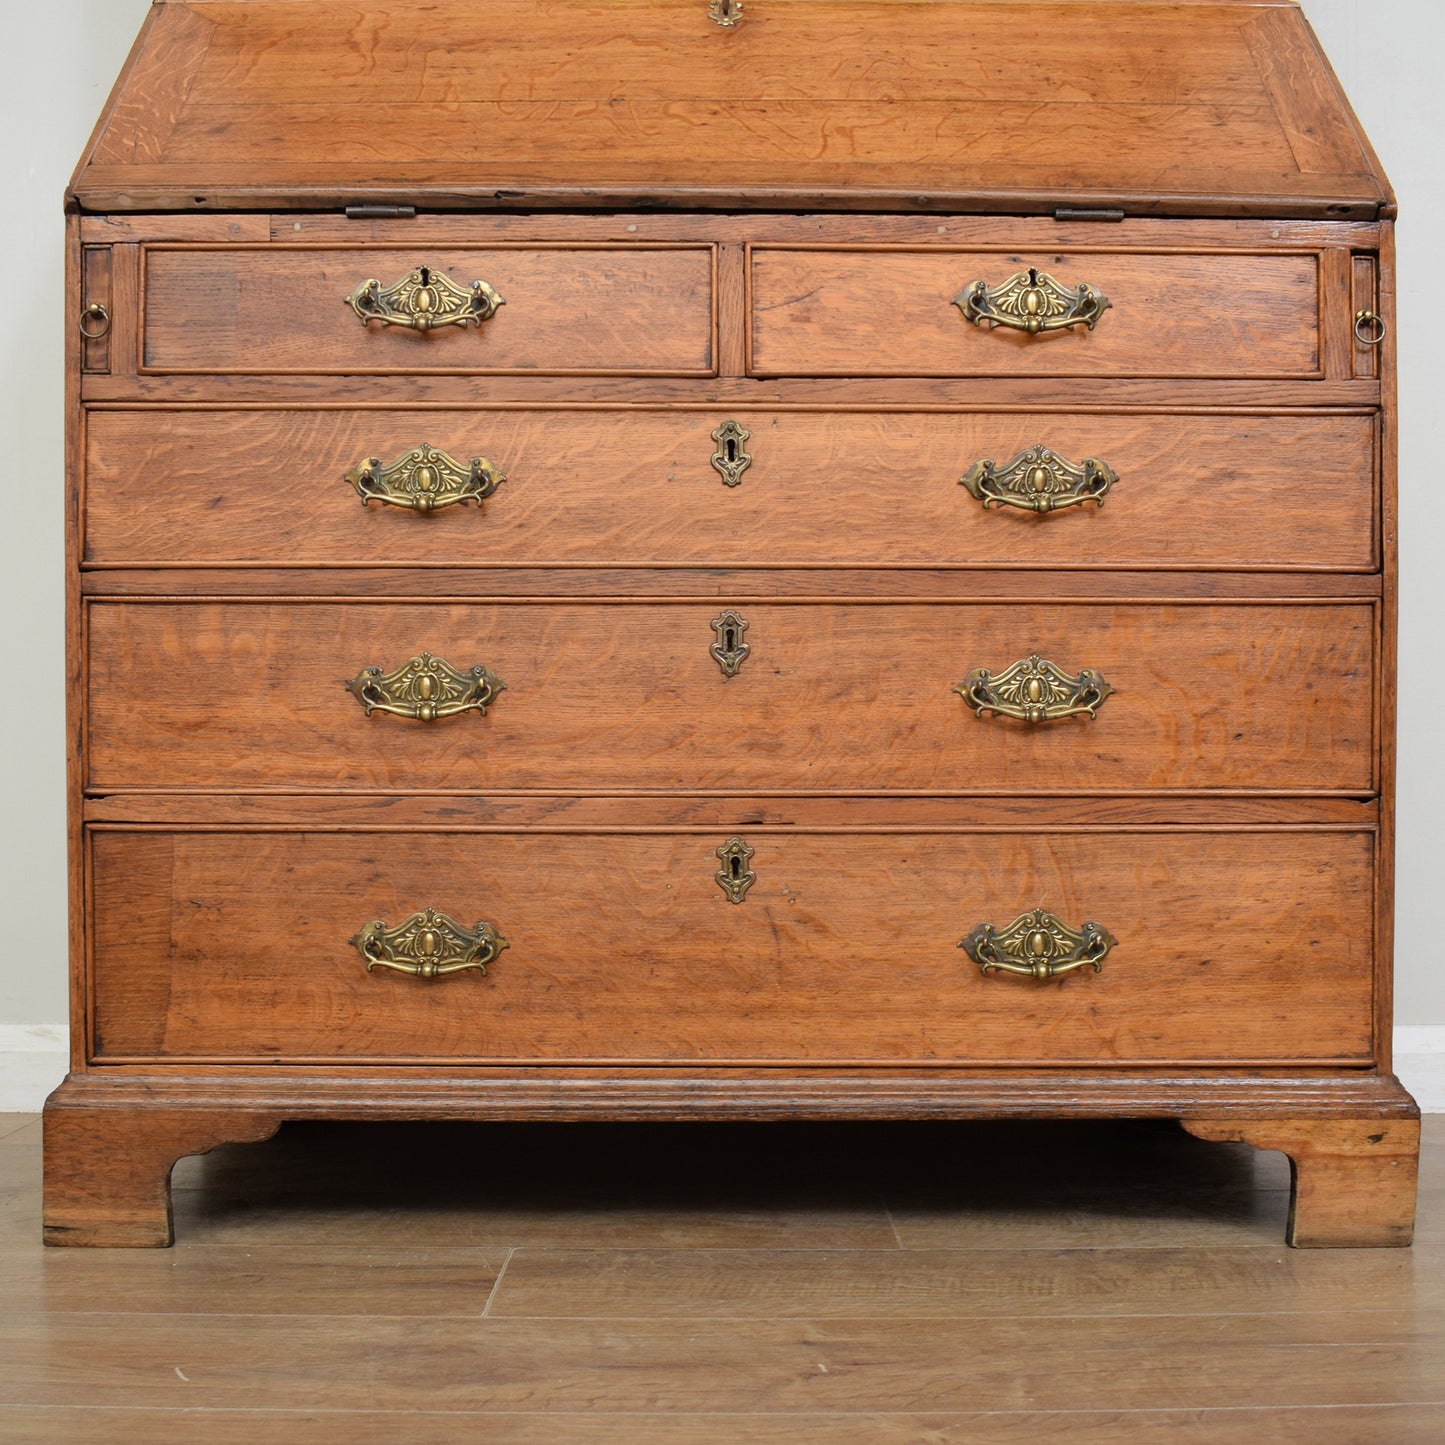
(1034, 690)
(1039, 480)
(1032, 301)
(429, 944)
(1039, 945)
(425, 479)
(423, 300)
(426, 688)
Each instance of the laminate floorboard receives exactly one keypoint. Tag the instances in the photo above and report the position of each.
(661, 1285)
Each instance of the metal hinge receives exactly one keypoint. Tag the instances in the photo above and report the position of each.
(374, 211)
(1076, 213)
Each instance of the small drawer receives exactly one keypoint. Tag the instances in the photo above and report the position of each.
(899, 312)
(1222, 947)
(564, 310)
(803, 488)
(764, 697)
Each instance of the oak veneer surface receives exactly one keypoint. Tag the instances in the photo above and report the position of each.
(236, 946)
(1195, 109)
(614, 488)
(222, 695)
(567, 309)
(891, 313)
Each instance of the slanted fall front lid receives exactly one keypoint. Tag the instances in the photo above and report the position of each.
(1199, 107)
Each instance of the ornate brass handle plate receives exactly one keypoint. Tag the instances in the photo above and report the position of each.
(1038, 945)
(425, 688)
(730, 459)
(424, 479)
(428, 945)
(1034, 691)
(423, 300)
(1032, 301)
(1039, 480)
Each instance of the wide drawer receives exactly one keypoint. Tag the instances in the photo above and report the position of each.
(892, 312)
(859, 696)
(565, 309)
(635, 486)
(1230, 947)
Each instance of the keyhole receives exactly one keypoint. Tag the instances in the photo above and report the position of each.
(732, 450)
(426, 275)
(737, 866)
(730, 644)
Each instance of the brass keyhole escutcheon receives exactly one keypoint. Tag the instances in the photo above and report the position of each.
(735, 877)
(727, 13)
(729, 651)
(731, 458)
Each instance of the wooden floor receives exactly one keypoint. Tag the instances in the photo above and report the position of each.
(865, 1285)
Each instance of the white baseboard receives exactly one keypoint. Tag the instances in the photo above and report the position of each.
(33, 1061)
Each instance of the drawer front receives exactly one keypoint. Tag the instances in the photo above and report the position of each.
(821, 488)
(629, 696)
(892, 313)
(1231, 947)
(566, 309)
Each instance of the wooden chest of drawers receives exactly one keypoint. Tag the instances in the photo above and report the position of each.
(830, 568)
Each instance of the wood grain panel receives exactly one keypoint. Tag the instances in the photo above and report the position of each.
(891, 313)
(221, 695)
(567, 309)
(636, 487)
(1252, 945)
(876, 105)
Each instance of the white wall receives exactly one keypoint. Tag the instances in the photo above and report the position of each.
(65, 54)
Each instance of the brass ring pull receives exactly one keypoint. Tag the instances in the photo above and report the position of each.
(428, 945)
(1370, 329)
(426, 688)
(423, 300)
(1034, 691)
(1038, 945)
(94, 333)
(424, 479)
(1032, 301)
(1039, 480)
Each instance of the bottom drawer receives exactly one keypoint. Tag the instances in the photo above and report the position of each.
(1231, 946)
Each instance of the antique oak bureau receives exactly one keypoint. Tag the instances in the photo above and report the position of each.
(668, 560)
